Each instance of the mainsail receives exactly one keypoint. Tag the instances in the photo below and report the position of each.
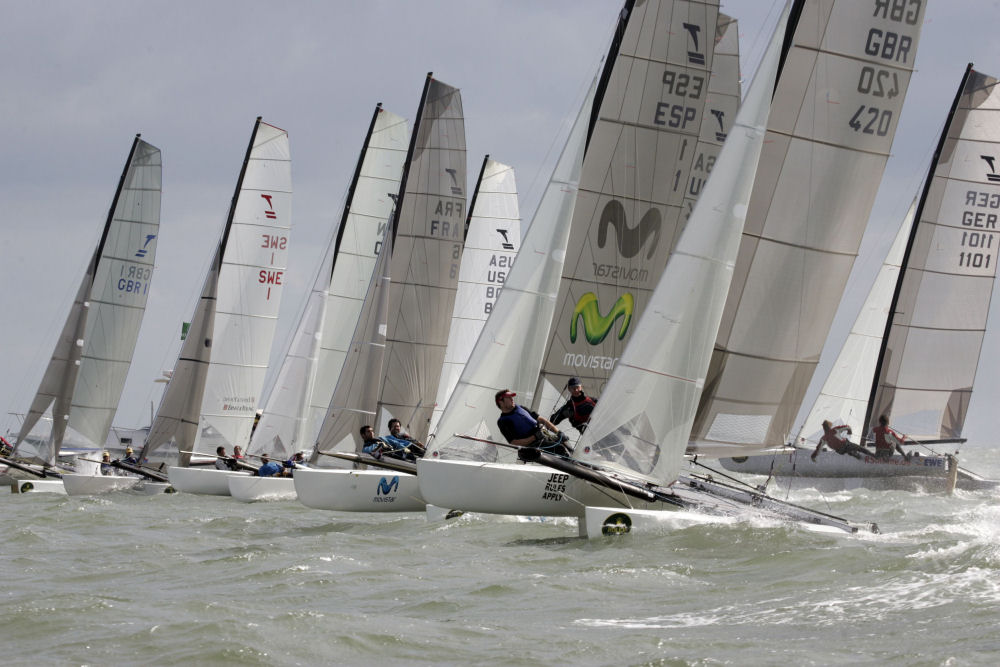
(834, 114)
(315, 356)
(219, 372)
(428, 235)
(642, 422)
(930, 354)
(494, 235)
(630, 209)
(86, 374)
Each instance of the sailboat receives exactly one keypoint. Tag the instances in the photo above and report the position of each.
(214, 388)
(818, 67)
(914, 349)
(624, 170)
(85, 377)
(320, 342)
(427, 235)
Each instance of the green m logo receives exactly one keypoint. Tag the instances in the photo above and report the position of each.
(596, 326)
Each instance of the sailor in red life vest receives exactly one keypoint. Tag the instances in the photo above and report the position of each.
(577, 409)
(835, 439)
(886, 439)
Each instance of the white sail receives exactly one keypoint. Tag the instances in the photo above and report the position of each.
(315, 355)
(86, 374)
(642, 422)
(833, 118)
(219, 372)
(250, 288)
(429, 232)
(928, 366)
(361, 232)
(490, 248)
(844, 396)
(355, 398)
(630, 208)
(508, 352)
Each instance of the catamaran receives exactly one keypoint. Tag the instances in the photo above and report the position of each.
(321, 341)
(86, 374)
(220, 369)
(914, 349)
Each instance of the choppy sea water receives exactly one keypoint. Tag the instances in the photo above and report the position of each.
(182, 579)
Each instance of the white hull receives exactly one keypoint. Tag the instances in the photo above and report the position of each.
(495, 488)
(359, 490)
(894, 472)
(50, 485)
(204, 481)
(90, 485)
(252, 488)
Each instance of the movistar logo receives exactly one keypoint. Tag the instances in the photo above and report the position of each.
(596, 326)
(630, 240)
(385, 487)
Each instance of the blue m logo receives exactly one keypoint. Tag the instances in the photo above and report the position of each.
(385, 487)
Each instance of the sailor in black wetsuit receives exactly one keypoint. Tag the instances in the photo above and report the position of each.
(577, 409)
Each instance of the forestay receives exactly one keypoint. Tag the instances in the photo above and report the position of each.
(642, 422)
(933, 340)
(834, 115)
(494, 236)
(304, 386)
(86, 374)
(429, 232)
(630, 207)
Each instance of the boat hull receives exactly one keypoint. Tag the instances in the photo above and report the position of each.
(204, 481)
(893, 472)
(359, 490)
(497, 488)
(90, 485)
(48, 485)
(250, 488)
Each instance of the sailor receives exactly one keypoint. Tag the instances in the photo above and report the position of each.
(106, 467)
(268, 468)
(222, 462)
(130, 457)
(237, 453)
(525, 429)
(835, 439)
(577, 409)
(296, 461)
(403, 440)
(886, 439)
(379, 447)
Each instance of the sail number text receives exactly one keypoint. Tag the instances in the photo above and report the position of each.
(679, 84)
(135, 280)
(500, 265)
(981, 241)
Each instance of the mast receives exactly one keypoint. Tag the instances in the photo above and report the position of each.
(475, 194)
(236, 193)
(793, 22)
(877, 377)
(609, 65)
(114, 201)
(353, 187)
(409, 156)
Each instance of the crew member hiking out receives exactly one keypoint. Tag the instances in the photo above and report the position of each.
(836, 439)
(886, 440)
(525, 429)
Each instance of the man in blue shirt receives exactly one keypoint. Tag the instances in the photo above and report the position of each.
(268, 468)
(523, 428)
(403, 441)
(379, 447)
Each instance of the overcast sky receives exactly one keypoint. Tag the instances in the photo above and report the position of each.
(81, 78)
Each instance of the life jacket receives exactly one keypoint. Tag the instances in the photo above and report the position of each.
(582, 410)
